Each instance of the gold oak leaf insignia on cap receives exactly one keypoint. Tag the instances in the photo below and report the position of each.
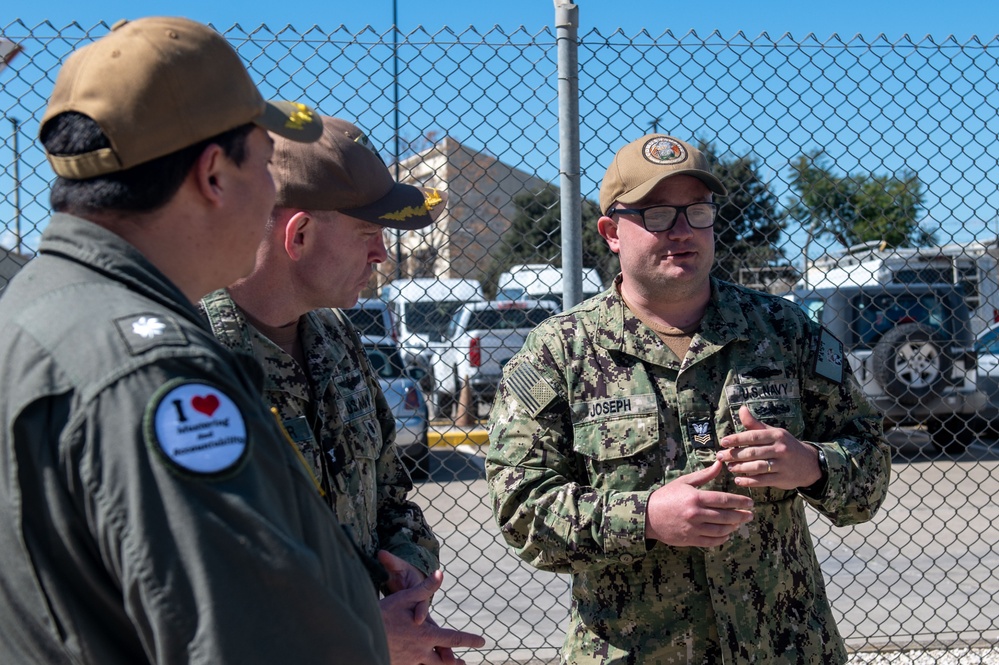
(300, 118)
(431, 201)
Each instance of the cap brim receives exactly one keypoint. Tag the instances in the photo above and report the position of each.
(640, 192)
(292, 120)
(405, 207)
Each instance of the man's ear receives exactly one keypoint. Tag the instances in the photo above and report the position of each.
(607, 227)
(297, 232)
(209, 174)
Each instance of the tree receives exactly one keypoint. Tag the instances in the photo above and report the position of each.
(749, 225)
(535, 236)
(857, 208)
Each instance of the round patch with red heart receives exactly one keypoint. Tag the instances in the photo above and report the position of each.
(197, 427)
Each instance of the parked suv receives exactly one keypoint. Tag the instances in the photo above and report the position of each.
(912, 350)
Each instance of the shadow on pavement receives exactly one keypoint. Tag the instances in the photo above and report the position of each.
(463, 463)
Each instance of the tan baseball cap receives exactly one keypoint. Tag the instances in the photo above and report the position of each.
(156, 85)
(343, 172)
(641, 165)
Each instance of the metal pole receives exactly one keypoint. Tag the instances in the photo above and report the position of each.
(395, 122)
(17, 190)
(566, 31)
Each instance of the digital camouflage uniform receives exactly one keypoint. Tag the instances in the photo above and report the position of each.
(151, 510)
(347, 434)
(595, 413)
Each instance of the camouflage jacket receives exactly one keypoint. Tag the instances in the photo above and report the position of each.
(346, 433)
(595, 413)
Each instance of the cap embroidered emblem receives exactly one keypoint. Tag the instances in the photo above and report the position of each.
(431, 200)
(147, 327)
(664, 150)
(300, 118)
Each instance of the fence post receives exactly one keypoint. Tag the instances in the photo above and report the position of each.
(566, 38)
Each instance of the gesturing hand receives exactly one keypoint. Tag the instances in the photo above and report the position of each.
(423, 642)
(680, 514)
(765, 456)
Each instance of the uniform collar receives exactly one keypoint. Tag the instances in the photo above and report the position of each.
(723, 322)
(92, 245)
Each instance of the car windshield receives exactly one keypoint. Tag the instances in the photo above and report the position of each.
(431, 317)
(385, 360)
(505, 318)
(876, 314)
(368, 320)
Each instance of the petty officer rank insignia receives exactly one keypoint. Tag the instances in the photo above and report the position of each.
(196, 429)
(702, 434)
(829, 359)
(532, 389)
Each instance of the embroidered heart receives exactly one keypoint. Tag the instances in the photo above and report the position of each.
(205, 405)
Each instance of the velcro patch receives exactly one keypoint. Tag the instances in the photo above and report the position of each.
(702, 433)
(145, 331)
(196, 428)
(829, 359)
(614, 406)
(532, 389)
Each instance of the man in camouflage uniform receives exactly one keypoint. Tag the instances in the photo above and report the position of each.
(660, 440)
(334, 198)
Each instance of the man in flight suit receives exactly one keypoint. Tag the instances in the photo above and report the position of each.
(659, 442)
(151, 508)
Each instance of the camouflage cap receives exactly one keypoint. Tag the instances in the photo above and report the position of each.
(159, 84)
(641, 165)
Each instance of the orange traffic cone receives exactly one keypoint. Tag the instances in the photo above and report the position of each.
(465, 417)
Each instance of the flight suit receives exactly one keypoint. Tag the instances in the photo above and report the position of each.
(151, 508)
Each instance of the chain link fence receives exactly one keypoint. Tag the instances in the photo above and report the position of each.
(862, 176)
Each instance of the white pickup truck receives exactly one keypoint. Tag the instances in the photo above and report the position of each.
(482, 337)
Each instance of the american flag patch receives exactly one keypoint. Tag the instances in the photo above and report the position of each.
(532, 389)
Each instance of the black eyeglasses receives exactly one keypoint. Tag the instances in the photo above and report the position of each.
(657, 219)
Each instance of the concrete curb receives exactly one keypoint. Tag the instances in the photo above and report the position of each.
(456, 436)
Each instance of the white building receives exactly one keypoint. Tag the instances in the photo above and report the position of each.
(480, 208)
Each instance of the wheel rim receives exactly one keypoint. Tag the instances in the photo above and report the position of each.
(917, 364)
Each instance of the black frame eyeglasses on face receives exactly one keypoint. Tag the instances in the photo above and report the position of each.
(656, 219)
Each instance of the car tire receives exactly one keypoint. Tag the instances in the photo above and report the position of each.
(910, 360)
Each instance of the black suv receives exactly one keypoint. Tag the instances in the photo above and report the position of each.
(912, 350)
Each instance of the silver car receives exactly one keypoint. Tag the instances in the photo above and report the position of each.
(987, 347)
(401, 386)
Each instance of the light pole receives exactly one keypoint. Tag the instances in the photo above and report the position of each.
(17, 187)
(395, 123)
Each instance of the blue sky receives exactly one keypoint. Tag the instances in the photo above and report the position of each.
(845, 17)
